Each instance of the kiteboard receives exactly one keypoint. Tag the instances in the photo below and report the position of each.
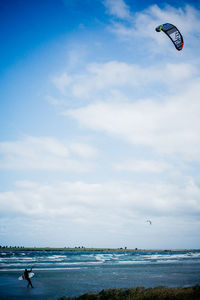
(30, 275)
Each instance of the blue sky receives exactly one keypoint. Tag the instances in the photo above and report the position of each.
(99, 124)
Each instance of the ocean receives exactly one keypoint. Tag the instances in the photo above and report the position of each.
(72, 273)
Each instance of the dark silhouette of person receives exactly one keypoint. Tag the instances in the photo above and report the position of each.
(26, 276)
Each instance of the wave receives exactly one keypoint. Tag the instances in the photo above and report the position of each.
(42, 269)
(61, 260)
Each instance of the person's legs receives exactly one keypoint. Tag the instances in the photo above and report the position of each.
(29, 283)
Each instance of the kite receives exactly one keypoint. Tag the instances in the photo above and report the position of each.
(149, 221)
(173, 33)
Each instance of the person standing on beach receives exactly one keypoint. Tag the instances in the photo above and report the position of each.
(26, 277)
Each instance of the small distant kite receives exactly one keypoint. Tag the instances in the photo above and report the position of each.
(173, 33)
(149, 221)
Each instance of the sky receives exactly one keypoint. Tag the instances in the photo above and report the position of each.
(99, 124)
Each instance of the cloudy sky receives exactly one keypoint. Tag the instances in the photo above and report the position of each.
(99, 124)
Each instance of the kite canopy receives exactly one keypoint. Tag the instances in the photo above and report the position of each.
(173, 33)
(149, 221)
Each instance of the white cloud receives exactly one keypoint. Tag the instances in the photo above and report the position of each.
(143, 166)
(101, 203)
(170, 125)
(100, 79)
(54, 101)
(142, 26)
(90, 213)
(84, 150)
(118, 8)
(62, 82)
(45, 153)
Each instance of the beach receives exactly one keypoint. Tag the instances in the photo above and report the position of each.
(72, 273)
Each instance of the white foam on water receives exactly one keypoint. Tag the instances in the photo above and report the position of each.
(132, 262)
(107, 257)
(59, 269)
(11, 264)
(43, 269)
(94, 259)
(178, 257)
(56, 256)
(100, 258)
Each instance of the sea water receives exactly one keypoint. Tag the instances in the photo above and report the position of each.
(72, 273)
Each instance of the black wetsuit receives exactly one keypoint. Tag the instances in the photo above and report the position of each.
(26, 276)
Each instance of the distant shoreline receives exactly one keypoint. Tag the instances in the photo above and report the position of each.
(83, 249)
